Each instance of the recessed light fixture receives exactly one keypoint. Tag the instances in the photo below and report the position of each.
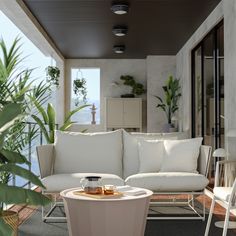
(120, 30)
(119, 49)
(120, 8)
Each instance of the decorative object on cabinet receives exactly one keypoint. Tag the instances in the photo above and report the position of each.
(170, 102)
(124, 113)
(137, 88)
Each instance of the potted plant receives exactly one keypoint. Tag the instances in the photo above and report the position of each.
(47, 121)
(9, 165)
(169, 104)
(137, 88)
(53, 73)
(80, 90)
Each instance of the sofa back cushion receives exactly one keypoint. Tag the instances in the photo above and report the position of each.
(181, 155)
(88, 152)
(131, 152)
(151, 153)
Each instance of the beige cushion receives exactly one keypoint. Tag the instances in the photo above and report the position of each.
(167, 182)
(181, 155)
(223, 193)
(60, 182)
(88, 152)
(151, 154)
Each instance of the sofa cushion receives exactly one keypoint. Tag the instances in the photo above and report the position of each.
(223, 193)
(130, 156)
(181, 155)
(150, 155)
(168, 181)
(60, 182)
(94, 152)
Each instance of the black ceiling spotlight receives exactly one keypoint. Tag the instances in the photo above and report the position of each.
(120, 8)
(119, 49)
(120, 30)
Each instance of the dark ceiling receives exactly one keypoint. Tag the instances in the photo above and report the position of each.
(83, 28)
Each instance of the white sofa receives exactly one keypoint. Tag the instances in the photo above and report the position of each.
(120, 158)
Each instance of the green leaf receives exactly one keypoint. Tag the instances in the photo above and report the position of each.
(51, 121)
(159, 98)
(8, 115)
(40, 109)
(14, 157)
(71, 113)
(18, 195)
(42, 127)
(5, 229)
(26, 174)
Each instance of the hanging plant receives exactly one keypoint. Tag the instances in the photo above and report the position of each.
(80, 90)
(53, 74)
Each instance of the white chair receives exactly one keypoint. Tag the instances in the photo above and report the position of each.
(225, 194)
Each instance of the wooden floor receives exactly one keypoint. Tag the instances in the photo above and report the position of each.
(26, 211)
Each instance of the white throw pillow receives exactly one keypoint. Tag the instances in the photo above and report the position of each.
(131, 156)
(88, 152)
(181, 155)
(150, 155)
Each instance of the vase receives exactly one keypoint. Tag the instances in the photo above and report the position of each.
(12, 219)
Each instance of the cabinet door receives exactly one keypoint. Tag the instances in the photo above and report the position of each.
(132, 113)
(114, 113)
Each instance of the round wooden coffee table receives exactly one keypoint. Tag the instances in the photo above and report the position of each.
(123, 216)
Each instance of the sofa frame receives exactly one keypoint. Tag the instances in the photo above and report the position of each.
(46, 157)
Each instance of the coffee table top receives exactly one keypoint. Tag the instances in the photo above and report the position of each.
(69, 193)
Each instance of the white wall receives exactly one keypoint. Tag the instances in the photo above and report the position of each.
(159, 68)
(183, 63)
(111, 70)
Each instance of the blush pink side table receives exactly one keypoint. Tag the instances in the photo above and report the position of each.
(124, 216)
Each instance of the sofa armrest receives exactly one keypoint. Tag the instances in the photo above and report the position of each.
(204, 159)
(45, 155)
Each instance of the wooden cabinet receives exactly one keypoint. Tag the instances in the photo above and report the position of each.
(124, 113)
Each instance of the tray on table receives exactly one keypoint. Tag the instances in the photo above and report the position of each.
(98, 196)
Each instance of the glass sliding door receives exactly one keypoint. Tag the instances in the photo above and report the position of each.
(208, 90)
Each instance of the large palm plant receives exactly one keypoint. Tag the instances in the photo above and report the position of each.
(169, 104)
(46, 119)
(9, 164)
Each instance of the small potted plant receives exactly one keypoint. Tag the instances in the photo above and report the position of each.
(137, 88)
(53, 73)
(169, 104)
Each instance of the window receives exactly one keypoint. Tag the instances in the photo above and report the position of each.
(90, 77)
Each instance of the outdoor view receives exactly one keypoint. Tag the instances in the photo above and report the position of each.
(90, 78)
(33, 59)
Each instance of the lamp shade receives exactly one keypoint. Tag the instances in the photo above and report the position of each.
(219, 152)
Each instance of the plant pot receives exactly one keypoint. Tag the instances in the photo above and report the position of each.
(168, 128)
(12, 219)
